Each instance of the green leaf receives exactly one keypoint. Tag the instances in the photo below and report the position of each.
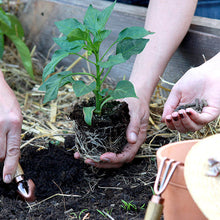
(73, 47)
(132, 33)
(123, 89)
(52, 85)
(104, 15)
(80, 88)
(4, 18)
(88, 113)
(112, 60)
(95, 20)
(14, 29)
(1, 44)
(24, 54)
(69, 24)
(77, 34)
(129, 47)
(56, 58)
(101, 35)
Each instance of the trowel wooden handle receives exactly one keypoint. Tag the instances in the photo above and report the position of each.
(154, 208)
(19, 171)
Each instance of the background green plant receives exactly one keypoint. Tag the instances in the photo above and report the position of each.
(89, 36)
(11, 27)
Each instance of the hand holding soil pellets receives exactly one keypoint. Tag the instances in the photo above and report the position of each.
(10, 130)
(195, 98)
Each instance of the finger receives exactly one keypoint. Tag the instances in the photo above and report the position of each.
(112, 160)
(77, 155)
(169, 122)
(12, 154)
(103, 165)
(177, 122)
(171, 103)
(2, 146)
(137, 129)
(187, 122)
(208, 114)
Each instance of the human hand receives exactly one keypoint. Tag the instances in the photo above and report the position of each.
(201, 82)
(136, 135)
(10, 130)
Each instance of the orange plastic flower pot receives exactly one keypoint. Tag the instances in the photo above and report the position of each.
(178, 203)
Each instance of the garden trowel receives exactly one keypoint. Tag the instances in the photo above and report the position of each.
(26, 188)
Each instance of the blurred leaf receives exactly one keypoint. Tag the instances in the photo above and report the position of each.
(77, 34)
(96, 20)
(112, 61)
(24, 54)
(123, 89)
(56, 58)
(4, 17)
(14, 29)
(69, 24)
(80, 88)
(52, 85)
(88, 113)
(132, 33)
(73, 47)
(129, 47)
(101, 35)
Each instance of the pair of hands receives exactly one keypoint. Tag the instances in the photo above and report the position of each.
(201, 82)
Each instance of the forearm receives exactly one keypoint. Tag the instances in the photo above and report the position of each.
(170, 21)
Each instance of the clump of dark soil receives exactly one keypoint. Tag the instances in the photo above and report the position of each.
(108, 130)
(66, 187)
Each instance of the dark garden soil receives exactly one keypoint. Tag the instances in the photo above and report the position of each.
(66, 187)
(108, 130)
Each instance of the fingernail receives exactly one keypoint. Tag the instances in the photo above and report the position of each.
(133, 137)
(106, 159)
(168, 120)
(175, 118)
(189, 113)
(181, 115)
(7, 178)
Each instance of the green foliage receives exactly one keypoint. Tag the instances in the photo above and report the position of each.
(89, 36)
(79, 216)
(11, 27)
(105, 213)
(128, 206)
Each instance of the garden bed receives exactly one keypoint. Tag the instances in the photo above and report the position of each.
(67, 188)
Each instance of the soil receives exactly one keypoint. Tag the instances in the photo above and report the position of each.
(108, 130)
(66, 187)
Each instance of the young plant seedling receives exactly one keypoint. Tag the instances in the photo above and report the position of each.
(11, 27)
(128, 206)
(88, 36)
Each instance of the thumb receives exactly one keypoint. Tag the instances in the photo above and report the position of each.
(133, 129)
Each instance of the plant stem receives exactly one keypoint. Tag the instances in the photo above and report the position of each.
(108, 71)
(84, 58)
(98, 97)
(108, 50)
